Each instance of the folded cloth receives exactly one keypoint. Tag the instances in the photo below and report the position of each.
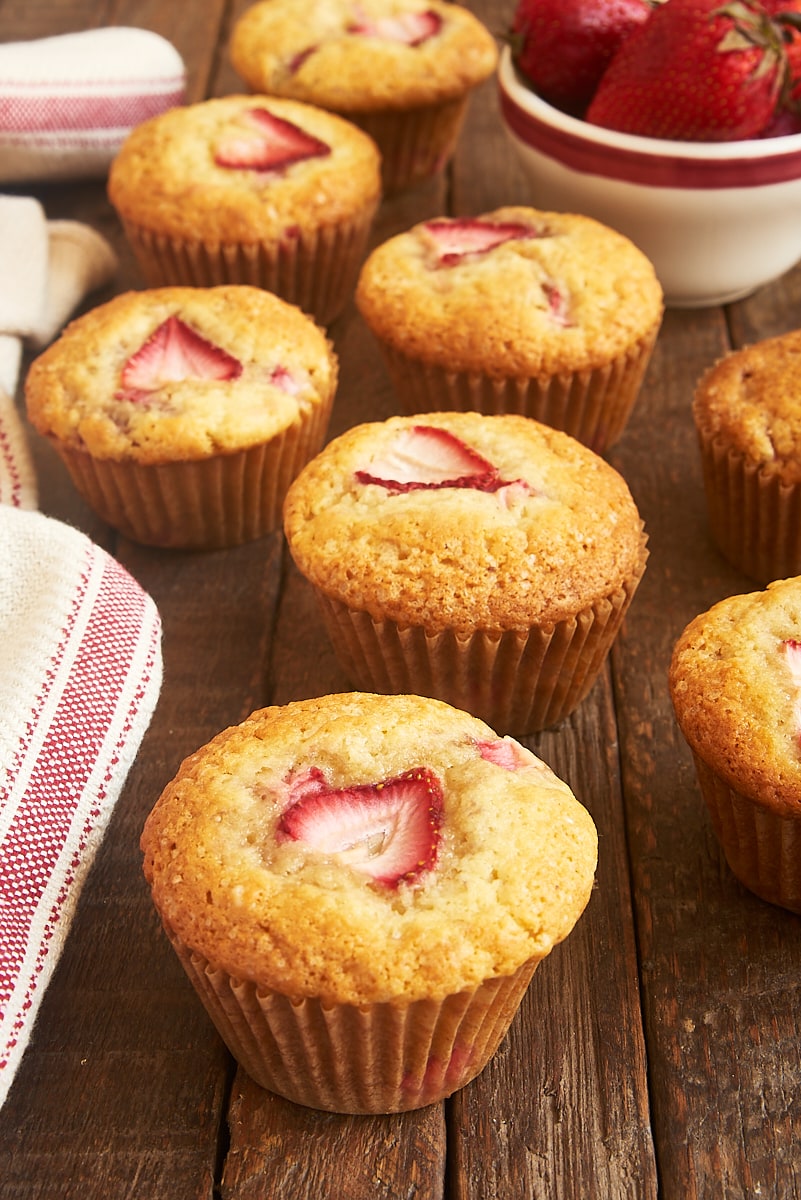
(67, 102)
(46, 270)
(79, 679)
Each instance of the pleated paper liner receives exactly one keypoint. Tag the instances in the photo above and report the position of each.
(762, 848)
(378, 1058)
(415, 143)
(754, 516)
(518, 681)
(315, 271)
(206, 504)
(593, 405)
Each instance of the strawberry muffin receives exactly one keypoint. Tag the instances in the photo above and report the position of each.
(485, 560)
(252, 190)
(402, 70)
(182, 414)
(360, 888)
(747, 412)
(735, 680)
(549, 315)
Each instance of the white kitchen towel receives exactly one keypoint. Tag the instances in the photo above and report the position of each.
(80, 674)
(68, 102)
(46, 269)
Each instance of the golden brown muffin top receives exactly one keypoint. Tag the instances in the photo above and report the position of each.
(167, 176)
(552, 531)
(514, 867)
(524, 293)
(178, 373)
(362, 57)
(750, 402)
(735, 681)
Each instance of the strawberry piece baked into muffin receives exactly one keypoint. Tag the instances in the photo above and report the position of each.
(402, 70)
(183, 414)
(485, 560)
(735, 681)
(747, 412)
(550, 315)
(360, 888)
(252, 190)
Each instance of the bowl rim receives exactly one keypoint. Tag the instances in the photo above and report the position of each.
(630, 156)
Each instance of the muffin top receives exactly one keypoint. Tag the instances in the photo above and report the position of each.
(515, 292)
(750, 402)
(365, 56)
(244, 169)
(180, 373)
(735, 681)
(360, 848)
(463, 521)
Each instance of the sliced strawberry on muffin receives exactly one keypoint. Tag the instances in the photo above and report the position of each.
(388, 830)
(259, 140)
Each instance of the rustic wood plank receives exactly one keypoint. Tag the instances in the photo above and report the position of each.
(562, 1110)
(719, 966)
(362, 1158)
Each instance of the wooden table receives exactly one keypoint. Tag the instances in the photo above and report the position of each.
(658, 1050)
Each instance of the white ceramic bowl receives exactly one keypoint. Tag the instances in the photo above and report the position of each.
(717, 220)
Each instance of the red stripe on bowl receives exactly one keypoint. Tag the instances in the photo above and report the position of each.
(634, 166)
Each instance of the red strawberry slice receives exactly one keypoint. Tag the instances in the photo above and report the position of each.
(409, 28)
(505, 752)
(792, 652)
(425, 456)
(389, 831)
(282, 378)
(260, 141)
(174, 352)
(453, 240)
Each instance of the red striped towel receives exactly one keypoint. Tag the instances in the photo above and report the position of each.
(68, 102)
(79, 679)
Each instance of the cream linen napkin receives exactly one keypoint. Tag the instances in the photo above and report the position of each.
(67, 102)
(46, 269)
(80, 646)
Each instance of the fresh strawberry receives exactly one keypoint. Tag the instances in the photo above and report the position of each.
(465, 237)
(788, 13)
(408, 28)
(260, 141)
(697, 70)
(174, 351)
(426, 456)
(563, 47)
(388, 830)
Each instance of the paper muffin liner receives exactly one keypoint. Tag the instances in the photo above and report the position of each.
(592, 405)
(315, 270)
(376, 1058)
(754, 515)
(762, 848)
(205, 504)
(518, 681)
(415, 143)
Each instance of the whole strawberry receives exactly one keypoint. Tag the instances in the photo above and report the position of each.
(697, 70)
(563, 47)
